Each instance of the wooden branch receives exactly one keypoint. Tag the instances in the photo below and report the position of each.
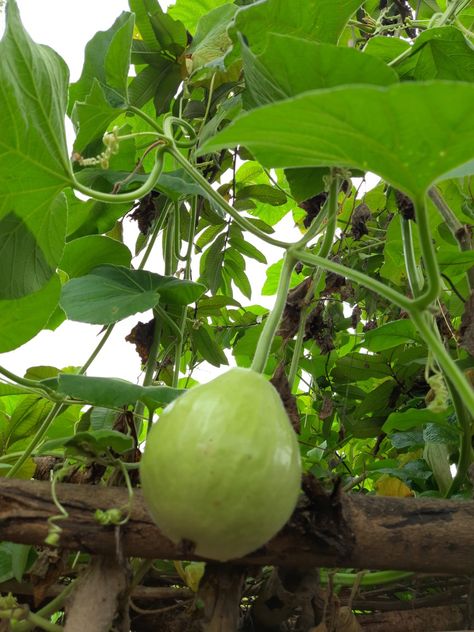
(350, 531)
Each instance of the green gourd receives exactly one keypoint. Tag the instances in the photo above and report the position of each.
(221, 466)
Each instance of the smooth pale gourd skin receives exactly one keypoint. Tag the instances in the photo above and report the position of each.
(222, 466)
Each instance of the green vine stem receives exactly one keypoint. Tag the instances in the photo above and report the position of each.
(414, 278)
(443, 358)
(187, 275)
(375, 578)
(38, 436)
(330, 209)
(154, 235)
(459, 231)
(49, 609)
(354, 275)
(449, 367)
(130, 196)
(109, 329)
(23, 381)
(466, 455)
(150, 366)
(433, 285)
(148, 119)
(273, 320)
(462, 415)
(219, 200)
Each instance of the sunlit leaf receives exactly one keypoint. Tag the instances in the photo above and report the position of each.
(439, 53)
(112, 392)
(316, 20)
(34, 164)
(21, 319)
(289, 66)
(83, 254)
(110, 293)
(394, 131)
(189, 12)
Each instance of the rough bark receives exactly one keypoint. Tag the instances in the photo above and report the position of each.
(100, 598)
(347, 531)
(220, 592)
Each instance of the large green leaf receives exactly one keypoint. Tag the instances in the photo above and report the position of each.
(390, 335)
(412, 418)
(21, 319)
(317, 20)
(440, 53)
(112, 392)
(189, 12)
(90, 444)
(86, 253)
(91, 216)
(110, 293)
(34, 164)
(211, 40)
(395, 132)
(27, 417)
(92, 117)
(289, 66)
(107, 60)
(385, 48)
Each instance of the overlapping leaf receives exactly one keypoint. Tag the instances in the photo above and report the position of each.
(316, 20)
(410, 134)
(101, 91)
(289, 66)
(110, 293)
(34, 165)
(111, 392)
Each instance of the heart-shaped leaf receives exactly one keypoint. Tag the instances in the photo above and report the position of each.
(289, 66)
(410, 134)
(110, 392)
(110, 293)
(34, 164)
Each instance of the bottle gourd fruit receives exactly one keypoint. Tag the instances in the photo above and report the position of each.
(221, 467)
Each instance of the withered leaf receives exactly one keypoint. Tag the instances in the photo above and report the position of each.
(280, 382)
(295, 302)
(466, 330)
(142, 337)
(360, 217)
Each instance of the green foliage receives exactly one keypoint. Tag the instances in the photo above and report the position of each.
(404, 143)
(246, 126)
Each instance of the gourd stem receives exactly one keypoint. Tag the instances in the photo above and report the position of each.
(354, 275)
(273, 320)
